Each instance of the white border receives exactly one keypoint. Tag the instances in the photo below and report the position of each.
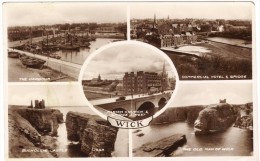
(256, 90)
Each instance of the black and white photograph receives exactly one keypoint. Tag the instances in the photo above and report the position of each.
(130, 80)
(50, 41)
(54, 122)
(205, 40)
(126, 80)
(205, 119)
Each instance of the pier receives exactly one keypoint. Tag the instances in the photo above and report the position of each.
(64, 67)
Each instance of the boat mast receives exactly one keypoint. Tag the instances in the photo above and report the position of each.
(30, 38)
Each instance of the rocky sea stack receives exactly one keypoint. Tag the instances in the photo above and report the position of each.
(215, 118)
(94, 134)
(31, 131)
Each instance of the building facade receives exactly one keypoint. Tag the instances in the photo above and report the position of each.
(177, 40)
(143, 82)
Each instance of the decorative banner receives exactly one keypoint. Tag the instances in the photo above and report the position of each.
(128, 124)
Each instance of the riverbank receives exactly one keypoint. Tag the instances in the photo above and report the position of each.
(232, 41)
(17, 72)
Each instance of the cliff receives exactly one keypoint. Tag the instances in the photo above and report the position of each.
(164, 147)
(26, 127)
(45, 121)
(175, 114)
(245, 120)
(95, 135)
(215, 118)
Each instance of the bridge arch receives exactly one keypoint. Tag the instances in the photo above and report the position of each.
(162, 102)
(148, 108)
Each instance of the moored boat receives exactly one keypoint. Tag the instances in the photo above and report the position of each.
(31, 62)
(13, 54)
(55, 56)
(69, 47)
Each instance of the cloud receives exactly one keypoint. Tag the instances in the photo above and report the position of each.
(54, 95)
(64, 12)
(208, 10)
(210, 93)
(115, 61)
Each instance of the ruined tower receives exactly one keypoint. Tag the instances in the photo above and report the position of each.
(36, 104)
(223, 101)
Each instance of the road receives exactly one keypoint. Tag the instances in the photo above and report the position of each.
(129, 97)
(67, 68)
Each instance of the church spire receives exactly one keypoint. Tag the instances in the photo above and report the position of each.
(164, 78)
(154, 21)
(163, 68)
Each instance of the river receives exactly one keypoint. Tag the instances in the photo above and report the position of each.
(78, 57)
(70, 149)
(240, 140)
(237, 42)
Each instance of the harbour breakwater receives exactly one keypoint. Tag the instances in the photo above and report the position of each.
(94, 134)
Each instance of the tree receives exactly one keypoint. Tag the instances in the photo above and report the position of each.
(206, 28)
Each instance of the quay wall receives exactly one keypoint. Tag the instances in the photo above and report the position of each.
(67, 68)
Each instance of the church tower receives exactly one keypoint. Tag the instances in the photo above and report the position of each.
(99, 78)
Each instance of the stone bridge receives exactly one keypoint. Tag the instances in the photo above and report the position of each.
(148, 103)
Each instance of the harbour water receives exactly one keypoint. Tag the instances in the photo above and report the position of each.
(78, 57)
(238, 142)
(70, 149)
(17, 71)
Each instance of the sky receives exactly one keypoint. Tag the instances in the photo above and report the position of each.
(182, 10)
(115, 61)
(210, 93)
(54, 95)
(31, 14)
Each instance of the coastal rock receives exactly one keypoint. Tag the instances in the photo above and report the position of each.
(244, 122)
(44, 120)
(170, 115)
(215, 118)
(95, 135)
(25, 141)
(164, 147)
